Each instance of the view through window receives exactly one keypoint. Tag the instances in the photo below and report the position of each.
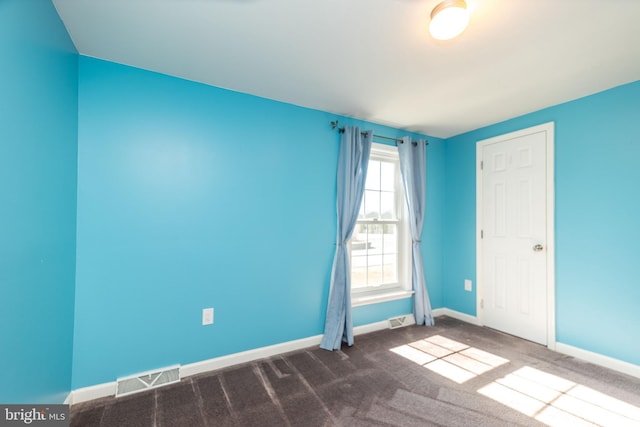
(379, 245)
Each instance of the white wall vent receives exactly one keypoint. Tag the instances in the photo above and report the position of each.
(147, 380)
(400, 321)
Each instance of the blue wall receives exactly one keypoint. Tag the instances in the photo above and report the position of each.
(190, 196)
(38, 143)
(597, 147)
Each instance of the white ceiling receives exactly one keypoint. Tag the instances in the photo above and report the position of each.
(374, 59)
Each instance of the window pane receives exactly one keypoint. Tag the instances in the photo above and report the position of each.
(359, 241)
(387, 205)
(375, 239)
(387, 176)
(390, 268)
(390, 257)
(375, 270)
(373, 176)
(372, 204)
(390, 239)
(358, 271)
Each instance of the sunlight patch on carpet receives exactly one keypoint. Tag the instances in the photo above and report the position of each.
(451, 359)
(556, 401)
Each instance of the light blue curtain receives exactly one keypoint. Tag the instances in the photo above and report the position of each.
(413, 165)
(353, 159)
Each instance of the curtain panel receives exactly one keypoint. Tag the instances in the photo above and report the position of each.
(353, 160)
(413, 166)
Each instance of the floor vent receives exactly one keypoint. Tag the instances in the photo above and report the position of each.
(147, 380)
(398, 322)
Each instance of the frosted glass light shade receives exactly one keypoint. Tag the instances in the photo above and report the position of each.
(449, 19)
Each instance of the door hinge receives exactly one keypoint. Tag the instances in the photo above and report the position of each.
(482, 234)
(481, 164)
(482, 303)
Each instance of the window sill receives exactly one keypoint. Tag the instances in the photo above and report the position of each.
(379, 297)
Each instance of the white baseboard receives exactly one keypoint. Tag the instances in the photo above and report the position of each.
(247, 356)
(599, 359)
(92, 392)
(264, 352)
(109, 389)
(456, 315)
(378, 326)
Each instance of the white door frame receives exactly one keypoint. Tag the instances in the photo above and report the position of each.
(550, 237)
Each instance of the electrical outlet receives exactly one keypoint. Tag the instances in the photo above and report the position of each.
(467, 285)
(207, 316)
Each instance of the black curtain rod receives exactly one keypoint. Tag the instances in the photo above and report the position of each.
(334, 125)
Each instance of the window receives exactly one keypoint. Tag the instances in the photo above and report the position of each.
(380, 246)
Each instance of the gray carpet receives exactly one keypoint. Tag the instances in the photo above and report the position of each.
(452, 374)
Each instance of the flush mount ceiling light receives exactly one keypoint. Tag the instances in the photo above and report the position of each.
(448, 19)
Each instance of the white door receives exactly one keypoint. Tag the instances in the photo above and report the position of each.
(514, 234)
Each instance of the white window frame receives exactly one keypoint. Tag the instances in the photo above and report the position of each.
(401, 289)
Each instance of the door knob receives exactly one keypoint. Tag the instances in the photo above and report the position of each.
(538, 248)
